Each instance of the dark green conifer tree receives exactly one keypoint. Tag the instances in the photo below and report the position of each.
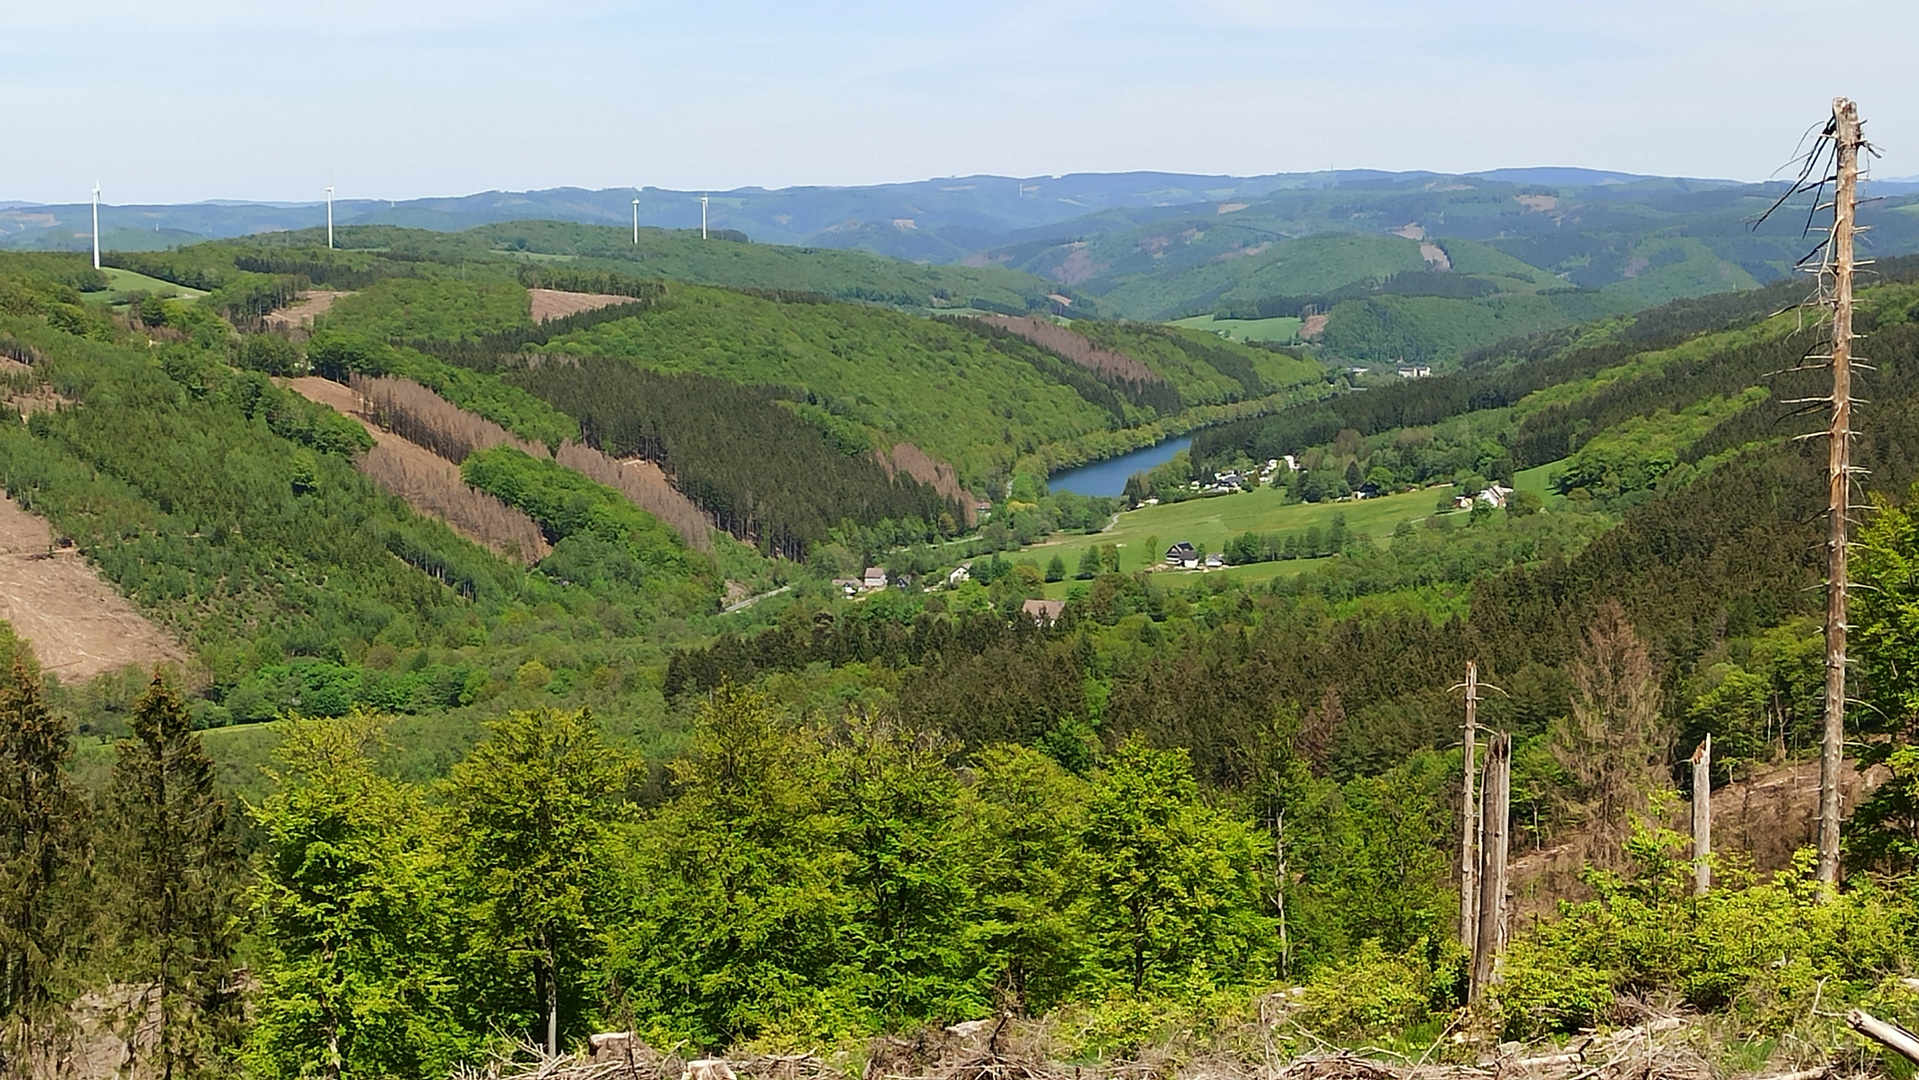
(174, 874)
(43, 853)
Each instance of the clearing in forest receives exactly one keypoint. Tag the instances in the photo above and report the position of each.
(78, 625)
(555, 304)
(306, 308)
(430, 483)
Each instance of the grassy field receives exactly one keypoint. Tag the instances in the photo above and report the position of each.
(1280, 330)
(1209, 523)
(120, 282)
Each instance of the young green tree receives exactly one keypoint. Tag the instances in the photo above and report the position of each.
(1089, 565)
(739, 929)
(353, 914)
(1023, 815)
(1056, 568)
(895, 805)
(1176, 889)
(174, 876)
(43, 857)
(537, 807)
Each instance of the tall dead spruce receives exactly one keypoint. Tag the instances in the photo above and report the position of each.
(1834, 161)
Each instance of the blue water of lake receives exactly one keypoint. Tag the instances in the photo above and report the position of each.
(1109, 477)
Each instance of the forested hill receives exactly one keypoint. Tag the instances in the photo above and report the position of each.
(1141, 801)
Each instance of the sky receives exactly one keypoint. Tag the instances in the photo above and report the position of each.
(184, 100)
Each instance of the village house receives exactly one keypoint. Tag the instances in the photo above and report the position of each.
(1182, 554)
(1494, 497)
(847, 585)
(960, 576)
(874, 579)
(1043, 612)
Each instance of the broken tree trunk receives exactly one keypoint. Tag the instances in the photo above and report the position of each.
(1495, 806)
(1846, 142)
(1892, 1035)
(1469, 820)
(1702, 818)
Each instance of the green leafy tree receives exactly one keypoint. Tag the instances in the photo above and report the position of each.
(1089, 565)
(1056, 568)
(43, 859)
(536, 807)
(175, 875)
(738, 932)
(1023, 816)
(895, 806)
(1177, 901)
(353, 914)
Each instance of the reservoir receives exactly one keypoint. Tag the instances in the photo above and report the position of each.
(1109, 477)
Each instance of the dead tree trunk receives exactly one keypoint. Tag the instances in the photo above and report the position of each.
(1496, 796)
(1702, 818)
(1846, 143)
(1469, 819)
(1890, 1035)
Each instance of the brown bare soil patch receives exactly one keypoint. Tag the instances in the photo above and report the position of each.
(308, 307)
(430, 483)
(1077, 266)
(1411, 232)
(1435, 256)
(1764, 819)
(1537, 203)
(1312, 326)
(1243, 252)
(941, 477)
(555, 304)
(1058, 339)
(1231, 207)
(78, 625)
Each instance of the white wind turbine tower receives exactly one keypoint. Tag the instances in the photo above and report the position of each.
(96, 224)
(329, 216)
(702, 217)
(636, 222)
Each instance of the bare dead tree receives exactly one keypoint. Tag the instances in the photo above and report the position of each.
(1495, 835)
(647, 487)
(1058, 339)
(433, 487)
(1469, 819)
(1702, 817)
(419, 415)
(1835, 160)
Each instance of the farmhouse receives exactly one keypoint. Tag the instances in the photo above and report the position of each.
(875, 578)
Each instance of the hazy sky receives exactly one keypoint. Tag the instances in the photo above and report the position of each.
(180, 101)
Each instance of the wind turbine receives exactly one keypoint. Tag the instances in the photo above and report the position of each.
(96, 224)
(329, 216)
(636, 221)
(702, 217)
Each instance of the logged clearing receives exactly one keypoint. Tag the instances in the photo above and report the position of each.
(429, 483)
(554, 304)
(78, 625)
(308, 307)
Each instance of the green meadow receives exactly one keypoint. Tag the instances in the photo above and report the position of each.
(1282, 330)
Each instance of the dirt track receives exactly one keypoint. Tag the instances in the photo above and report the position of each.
(78, 625)
(554, 304)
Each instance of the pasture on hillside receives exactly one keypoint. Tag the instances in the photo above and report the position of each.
(1283, 330)
(1209, 523)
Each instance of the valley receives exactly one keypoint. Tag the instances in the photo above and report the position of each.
(759, 562)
